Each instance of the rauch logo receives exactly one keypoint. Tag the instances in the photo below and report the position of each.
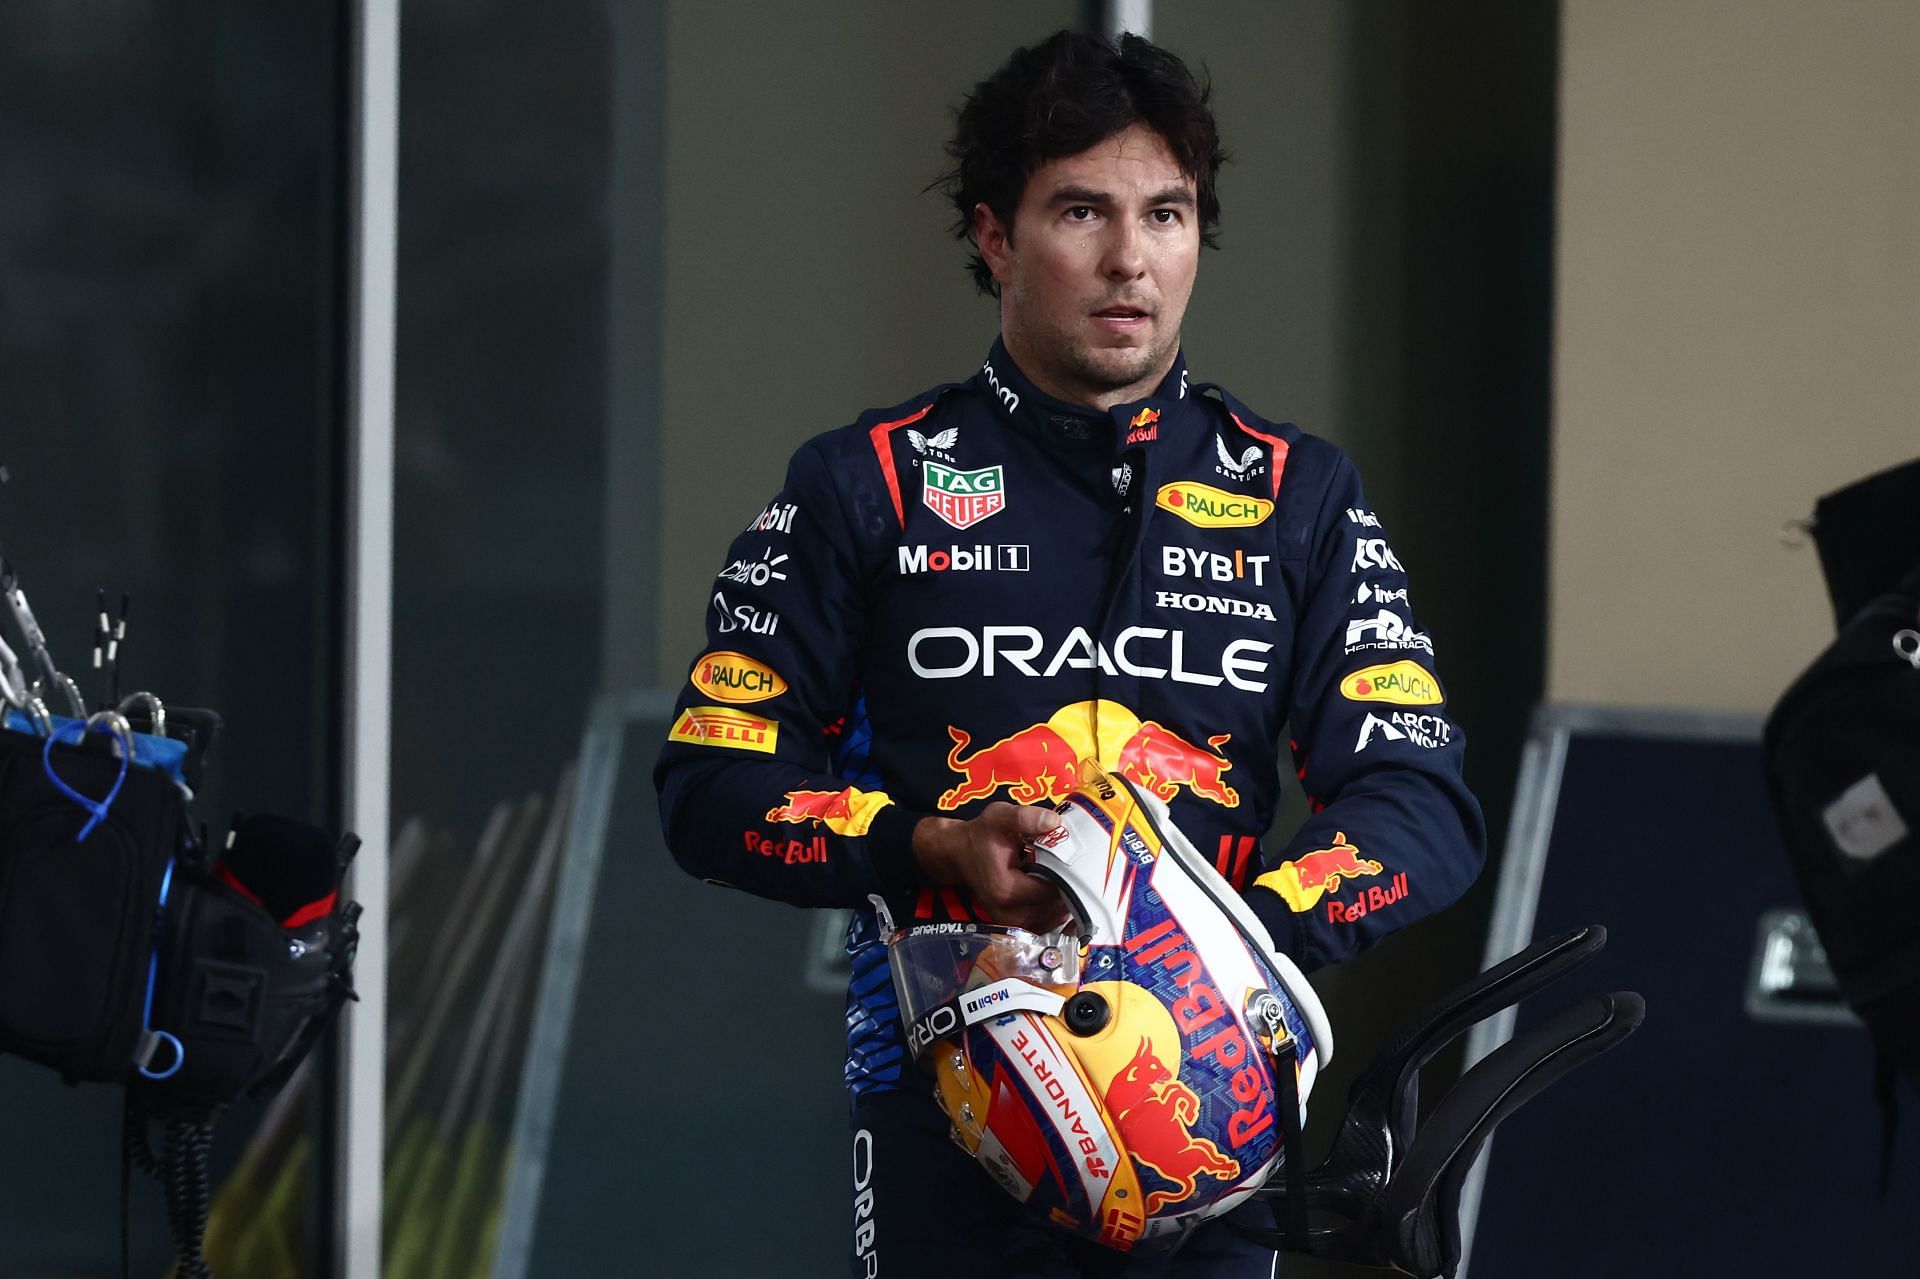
(1205, 506)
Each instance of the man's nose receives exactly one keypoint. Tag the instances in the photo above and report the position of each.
(1125, 258)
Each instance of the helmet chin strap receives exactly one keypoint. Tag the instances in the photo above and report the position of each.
(1396, 1183)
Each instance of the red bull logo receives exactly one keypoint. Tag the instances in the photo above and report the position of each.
(1041, 763)
(1145, 426)
(1155, 1112)
(844, 812)
(1365, 903)
(1206, 1025)
(791, 852)
(1305, 879)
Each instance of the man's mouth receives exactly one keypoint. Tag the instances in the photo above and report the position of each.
(1121, 320)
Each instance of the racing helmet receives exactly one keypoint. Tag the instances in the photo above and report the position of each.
(1119, 1076)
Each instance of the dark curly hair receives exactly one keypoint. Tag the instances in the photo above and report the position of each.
(1057, 99)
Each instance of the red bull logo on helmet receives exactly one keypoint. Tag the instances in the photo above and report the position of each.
(1041, 763)
(1155, 1113)
(1208, 1028)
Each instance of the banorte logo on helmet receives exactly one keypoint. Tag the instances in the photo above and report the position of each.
(1041, 763)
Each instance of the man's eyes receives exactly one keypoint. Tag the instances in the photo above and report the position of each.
(1086, 213)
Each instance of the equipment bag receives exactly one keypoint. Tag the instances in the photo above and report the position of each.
(77, 914)
(241, 996)
(1842, 752)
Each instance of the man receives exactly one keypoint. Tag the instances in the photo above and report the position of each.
(1076, 554)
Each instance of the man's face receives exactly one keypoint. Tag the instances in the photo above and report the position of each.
(1097, 268)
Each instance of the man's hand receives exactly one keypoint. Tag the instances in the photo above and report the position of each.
(985, 855)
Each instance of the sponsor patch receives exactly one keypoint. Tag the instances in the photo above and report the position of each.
(722, 726)
(791, 852)
(1429, 732)
(735, 678)
(1205, 506)
(1213, 604)
(982, 558)
(1245, 467)
(963, 498)
(1385, 630)
(777, 518)
(1373, 552)
(756, 572)
(743, 617)
(1402, 683)
(1145, 652)
(936, 444)
(1008, 397)
(1304, 878)
(1144, 426)
(1218, 566)
(1363, 517)
(844, 812)
(1371, 594)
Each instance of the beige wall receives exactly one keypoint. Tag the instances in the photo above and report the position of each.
(1738, 329)
(808, 278)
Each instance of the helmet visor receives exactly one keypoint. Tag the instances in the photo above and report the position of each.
(934, 964)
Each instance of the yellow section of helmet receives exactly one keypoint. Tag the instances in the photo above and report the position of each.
(964, 1094)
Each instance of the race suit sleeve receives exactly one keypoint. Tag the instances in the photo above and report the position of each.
(747, 798)
(1393, 833)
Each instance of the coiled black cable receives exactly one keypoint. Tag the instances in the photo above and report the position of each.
(189, 1193)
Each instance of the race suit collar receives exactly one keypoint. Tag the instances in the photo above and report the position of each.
(1027, 408)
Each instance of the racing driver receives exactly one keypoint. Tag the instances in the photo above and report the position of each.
(1079, 552)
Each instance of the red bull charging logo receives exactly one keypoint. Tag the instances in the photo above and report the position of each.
(1154, 1112)
(1041, 763)
(844, 812)
(1308, 877)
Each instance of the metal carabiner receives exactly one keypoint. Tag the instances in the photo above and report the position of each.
(156, 713)
(18, 693)
(1907, 645)
(75, 699)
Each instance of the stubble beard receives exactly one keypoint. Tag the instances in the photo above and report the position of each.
(1094, 372)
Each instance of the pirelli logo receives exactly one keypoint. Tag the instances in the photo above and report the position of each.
(723, 726)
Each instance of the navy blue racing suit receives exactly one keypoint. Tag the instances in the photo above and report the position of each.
(959, 599)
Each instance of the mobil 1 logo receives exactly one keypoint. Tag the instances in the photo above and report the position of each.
(953, 558)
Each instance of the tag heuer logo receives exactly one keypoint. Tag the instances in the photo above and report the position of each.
(962, 498)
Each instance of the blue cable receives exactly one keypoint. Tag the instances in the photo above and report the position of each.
(153, 974)
(97, 808)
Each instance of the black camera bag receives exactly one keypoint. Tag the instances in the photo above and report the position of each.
(1843, 768)
(77, 917)
(244, 997)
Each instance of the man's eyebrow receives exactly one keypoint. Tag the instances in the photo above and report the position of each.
(1079, 195)
(1072, 195)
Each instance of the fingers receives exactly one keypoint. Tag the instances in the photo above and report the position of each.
(1022, 821)
(1009, 895)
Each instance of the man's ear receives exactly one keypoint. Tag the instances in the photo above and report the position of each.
(994, 240)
